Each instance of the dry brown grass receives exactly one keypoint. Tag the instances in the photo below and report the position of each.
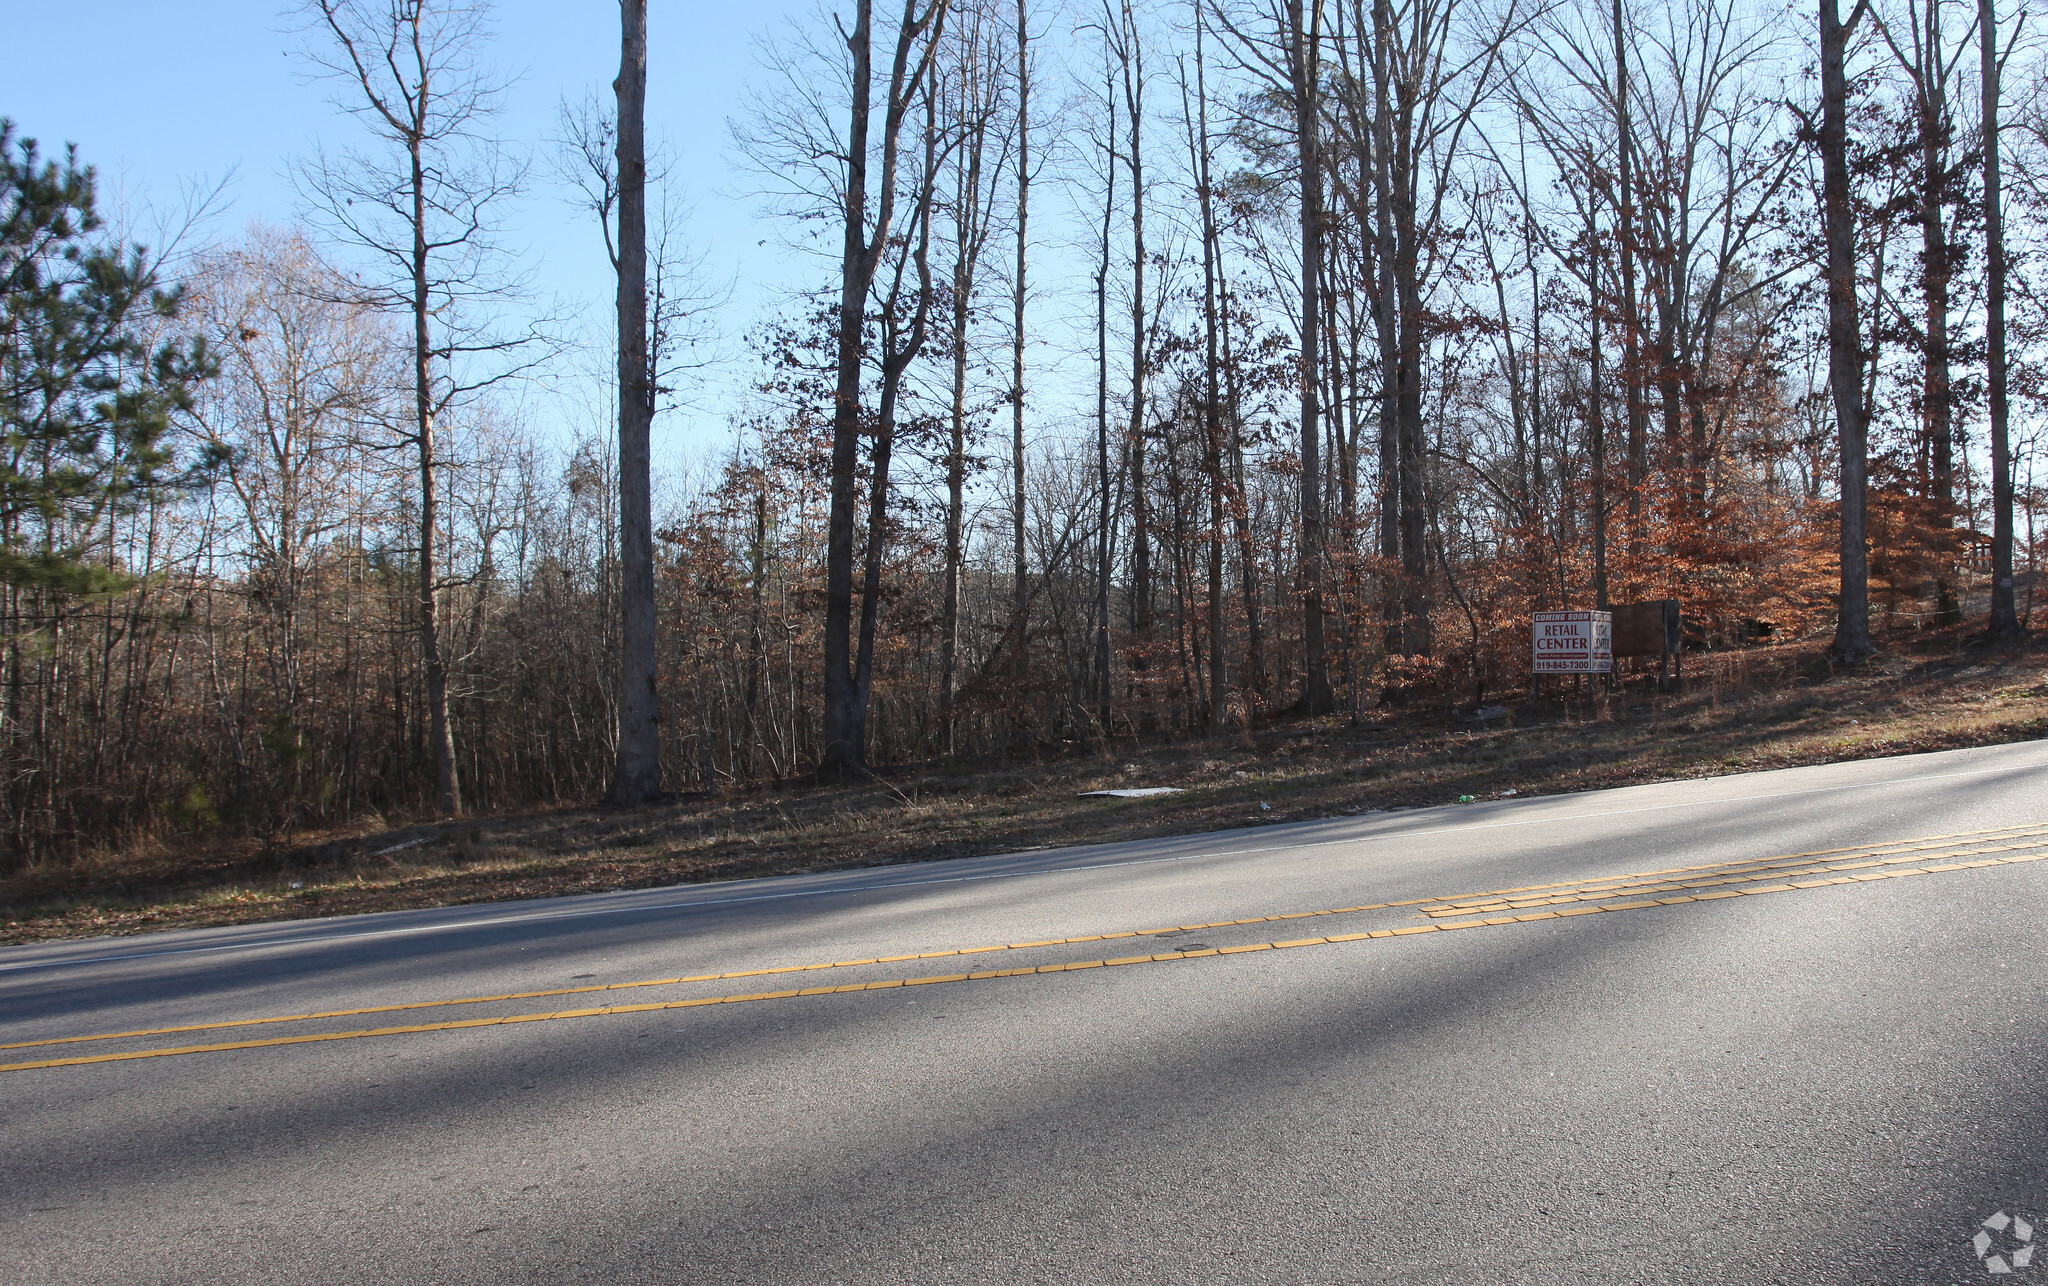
(1767, 708)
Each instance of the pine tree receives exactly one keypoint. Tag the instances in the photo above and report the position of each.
(86, 394)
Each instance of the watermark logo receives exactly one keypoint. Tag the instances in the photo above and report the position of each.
(2004, 1243)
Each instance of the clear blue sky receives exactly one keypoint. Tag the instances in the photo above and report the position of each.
(158, 95)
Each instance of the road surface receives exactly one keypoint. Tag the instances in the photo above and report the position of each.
(1786, 1026)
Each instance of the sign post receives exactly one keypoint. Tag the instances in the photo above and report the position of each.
(1573, 642)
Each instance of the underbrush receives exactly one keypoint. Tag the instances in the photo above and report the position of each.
(1739, 711)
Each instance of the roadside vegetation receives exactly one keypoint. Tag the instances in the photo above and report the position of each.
(1741, 711)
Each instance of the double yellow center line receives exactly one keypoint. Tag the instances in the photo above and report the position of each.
(1724, 875)
(1926, 855)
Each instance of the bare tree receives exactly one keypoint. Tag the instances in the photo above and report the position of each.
(2004, 621)
(681, 294)
(1286, 52)
(307, 370)
(902, 327)
(1104, 530)
(1412, 79)
(1699, 171)
(866, 237)
(422, 205)
(1126, 45)
(1930, 64)
(974, 96)
(1303, 38)
(1625, 252)
(1021, 589)
(839, 160)
(1201, 154)
(1710, 171)
(674, 298)
(636, 776)
(1852, 645)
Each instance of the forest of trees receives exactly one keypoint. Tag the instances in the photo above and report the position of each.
(1169, 368)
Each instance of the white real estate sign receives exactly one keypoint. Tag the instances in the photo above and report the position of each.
(1574, 642)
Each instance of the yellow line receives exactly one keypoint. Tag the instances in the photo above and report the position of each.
(1461, 904)
(1619, 883)
(701, 977)
(1074, 966)
(1774, 870)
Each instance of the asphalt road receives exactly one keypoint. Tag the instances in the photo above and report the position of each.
(1818, 1053)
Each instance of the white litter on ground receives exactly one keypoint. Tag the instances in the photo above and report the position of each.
(1139, 792)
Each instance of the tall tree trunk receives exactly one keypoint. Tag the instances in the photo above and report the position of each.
(1596, 422)
(2005, 621)
(1415, 623)
(1020, 657)
(896, 359)
(1937, 409)
(1387, 313)
(441, 734)
(970, 225)
(1212, 407)
(1631, 323)
(1102, 475)
(843, 750)
(956, 486)
(877, 547)
(1564, 532)
(1352, 592)
(1304, 40)
(1253, 674)
(1852, 643)
(760, 715)
(1133, 64)
(636, 777)
(1415, 604)
(1677, 464)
